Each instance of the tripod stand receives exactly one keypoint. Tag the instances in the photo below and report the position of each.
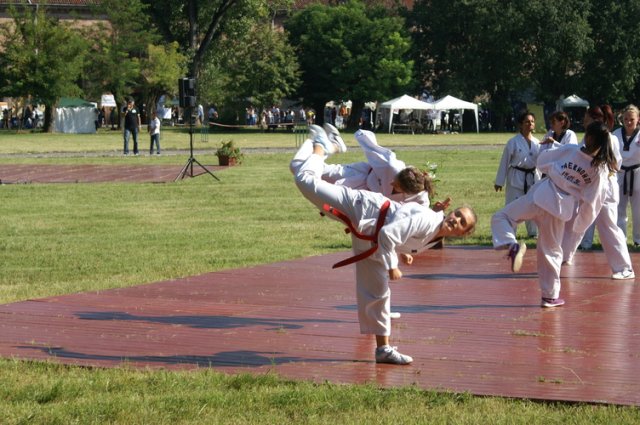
(187, 170)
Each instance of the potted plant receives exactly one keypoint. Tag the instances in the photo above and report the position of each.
(229, 154)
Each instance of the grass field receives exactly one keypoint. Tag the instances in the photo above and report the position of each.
(61, 239)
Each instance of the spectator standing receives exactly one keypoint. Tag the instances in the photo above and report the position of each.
(213, 113)
(200, 114)
(154, 133)
(131, 126)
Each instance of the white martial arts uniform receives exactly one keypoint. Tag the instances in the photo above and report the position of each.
(408, 228)
(571, 181)
(630, 161)
(568, 138)
(518, 154)
(614, 242)
(376, 174)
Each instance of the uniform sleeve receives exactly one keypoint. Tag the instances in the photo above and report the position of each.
(547, 158)
(503, 167)
(398, 232)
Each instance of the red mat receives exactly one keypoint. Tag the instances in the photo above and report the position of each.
(469, 323)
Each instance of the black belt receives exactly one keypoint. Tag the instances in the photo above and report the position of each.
(526, 171)
(624, 180)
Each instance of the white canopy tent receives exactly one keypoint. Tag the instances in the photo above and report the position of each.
(450, 102)
(572, 101)
(75, 116)
(404, 102)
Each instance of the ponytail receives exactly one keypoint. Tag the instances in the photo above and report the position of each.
(413, 180)
(597, 139)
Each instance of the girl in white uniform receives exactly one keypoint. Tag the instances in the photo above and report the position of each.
(383, 173)
(378, 174)
(614, 242)
(629, 177)
(518, 165)
(406, 229)
(575, 176)
(560, 133)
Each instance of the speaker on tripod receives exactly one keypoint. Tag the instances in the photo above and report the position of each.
(187, 100)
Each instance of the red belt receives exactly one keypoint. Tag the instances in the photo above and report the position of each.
(351, 229)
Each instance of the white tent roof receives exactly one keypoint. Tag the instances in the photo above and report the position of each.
(573, 101)
(450, 102)
(406, 102)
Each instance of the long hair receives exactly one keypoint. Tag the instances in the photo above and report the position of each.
(603, 114)
(597, 141)
(561, 117)
(413, 180)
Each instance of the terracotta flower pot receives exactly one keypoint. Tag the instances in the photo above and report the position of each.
(227, 161)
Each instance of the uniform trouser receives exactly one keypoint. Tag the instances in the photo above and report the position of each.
(511, 194)
(614, 242)
(549, 246)
(634, 200)
(372, 279)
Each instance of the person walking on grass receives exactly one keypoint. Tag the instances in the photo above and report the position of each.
(383, 233)
(575, 183)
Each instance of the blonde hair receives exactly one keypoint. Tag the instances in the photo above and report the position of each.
(631, 108)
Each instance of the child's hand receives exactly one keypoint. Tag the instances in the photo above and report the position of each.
(395, 274)
(441, 206)
(406, 259)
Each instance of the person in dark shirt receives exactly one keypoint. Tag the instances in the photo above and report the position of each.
(131, 126)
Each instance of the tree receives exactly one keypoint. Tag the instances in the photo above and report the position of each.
(118, 48)
(41, 59)
(611, 68)
(160, 70)
(556, 50)
(350, 52)
(259, 67)
(183, 20)
(471, 48)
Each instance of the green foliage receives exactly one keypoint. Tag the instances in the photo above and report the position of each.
(496, 49)
(161, 69)
(199, 25)
(350, 52)
(229, 149)
(258, 66)
(117, 49)
(611, 69)
(42, 59)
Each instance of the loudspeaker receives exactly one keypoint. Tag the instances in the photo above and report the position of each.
(187, 92)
